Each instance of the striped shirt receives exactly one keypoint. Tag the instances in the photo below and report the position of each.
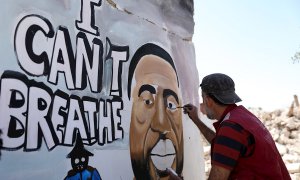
(232, 142)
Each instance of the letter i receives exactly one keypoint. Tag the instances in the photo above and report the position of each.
(87, 17)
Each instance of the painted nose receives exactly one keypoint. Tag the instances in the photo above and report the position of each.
(160, 122)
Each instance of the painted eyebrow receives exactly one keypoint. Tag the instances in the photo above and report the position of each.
(147, 87)
(169, 92)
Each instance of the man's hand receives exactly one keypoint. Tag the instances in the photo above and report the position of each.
(191, 111)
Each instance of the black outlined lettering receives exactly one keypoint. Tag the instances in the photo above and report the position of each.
(30, 113)
(75, 121)
(13, 121)
(118, 54)
(90, 106)
(38, 122)
(87, 17)
(62, 58)
(59, 114)
(89, 63)
(31, 63)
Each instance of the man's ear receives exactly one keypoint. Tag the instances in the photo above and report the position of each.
(209, 102)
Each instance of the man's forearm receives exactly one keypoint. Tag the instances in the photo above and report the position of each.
(218, 173)
(206, 131)
(192, 112)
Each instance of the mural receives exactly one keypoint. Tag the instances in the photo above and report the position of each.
(156, 122)
(101, 82)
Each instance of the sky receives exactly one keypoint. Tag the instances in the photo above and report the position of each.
(252, 41)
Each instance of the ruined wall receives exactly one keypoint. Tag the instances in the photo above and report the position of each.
(91, 88)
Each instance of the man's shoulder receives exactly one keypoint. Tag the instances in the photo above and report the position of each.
(232, 125)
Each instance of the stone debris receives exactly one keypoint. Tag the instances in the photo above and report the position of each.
(284, 126)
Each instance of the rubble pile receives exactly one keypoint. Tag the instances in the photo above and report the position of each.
(284, 126)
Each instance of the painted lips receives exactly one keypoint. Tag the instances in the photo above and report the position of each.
(163, 154)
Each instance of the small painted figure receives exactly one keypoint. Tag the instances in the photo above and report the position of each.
(79, 160)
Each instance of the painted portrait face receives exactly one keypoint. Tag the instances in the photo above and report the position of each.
(156, 135)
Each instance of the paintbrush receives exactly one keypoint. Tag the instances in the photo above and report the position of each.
(186, 106)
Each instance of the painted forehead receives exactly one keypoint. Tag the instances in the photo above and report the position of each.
(147, 49)
(154, 65)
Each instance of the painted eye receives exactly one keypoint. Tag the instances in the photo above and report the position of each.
(148, 101)
(171, 105)
(76, 161)
(82, 159)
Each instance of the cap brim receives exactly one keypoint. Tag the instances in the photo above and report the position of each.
(228, 98)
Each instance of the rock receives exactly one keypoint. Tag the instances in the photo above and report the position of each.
(292, 124)
(275, 133)
(295, 134)
(266, 116)
(295, 176)
(281, 148)
(283, 139)
(285, 133)
(288, 158)
(295, 148)
(293, 168)
(276, 113)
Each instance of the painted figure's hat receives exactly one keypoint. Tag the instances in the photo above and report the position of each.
(79, 150)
